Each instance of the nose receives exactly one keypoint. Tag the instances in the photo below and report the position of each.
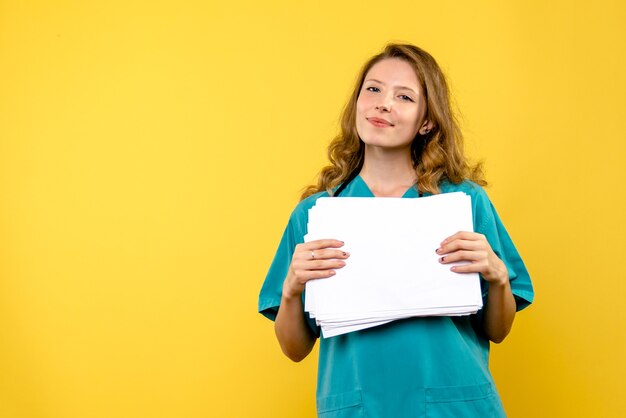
(384, 104)
(382, 108)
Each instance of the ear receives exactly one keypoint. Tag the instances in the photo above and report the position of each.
(427, 126)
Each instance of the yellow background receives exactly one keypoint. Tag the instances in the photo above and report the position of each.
(151, 152)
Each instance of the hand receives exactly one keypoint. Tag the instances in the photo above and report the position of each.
(473, 247)
(313, 260)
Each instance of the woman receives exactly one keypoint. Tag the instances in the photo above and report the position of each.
(399, 138)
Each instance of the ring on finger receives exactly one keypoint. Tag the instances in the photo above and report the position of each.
(312, 255)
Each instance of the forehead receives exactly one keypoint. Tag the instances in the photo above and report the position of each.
(394, 71)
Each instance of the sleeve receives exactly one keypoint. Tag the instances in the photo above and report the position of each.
(488, 223)
(272, 289)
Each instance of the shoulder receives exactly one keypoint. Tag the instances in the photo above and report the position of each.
(475, 191)
(301, 211)
(482, 209)
(466, 186)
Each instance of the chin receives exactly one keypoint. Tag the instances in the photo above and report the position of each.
(384, 141)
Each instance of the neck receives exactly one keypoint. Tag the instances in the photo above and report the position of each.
(387, 172)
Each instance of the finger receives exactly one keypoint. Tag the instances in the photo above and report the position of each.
(468, 268)
(324, 254)
(314, 275)
(323, 264)
(462, 256)
(321, 274)
(322, 243)
(300, 266)
(460, 244)
(464, 235)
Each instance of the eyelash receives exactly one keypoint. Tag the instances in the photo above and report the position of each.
(377, 90)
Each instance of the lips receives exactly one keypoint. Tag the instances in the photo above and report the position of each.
(380, 123)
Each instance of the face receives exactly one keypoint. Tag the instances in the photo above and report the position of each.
(391, 107)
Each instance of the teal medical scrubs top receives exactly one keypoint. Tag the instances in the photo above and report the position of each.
(431, 367)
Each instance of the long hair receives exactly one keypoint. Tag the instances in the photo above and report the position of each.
(436, 156)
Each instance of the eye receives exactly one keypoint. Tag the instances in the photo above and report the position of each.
(373, 89)
(406, 98)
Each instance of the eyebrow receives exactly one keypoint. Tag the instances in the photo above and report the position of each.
(398, 87)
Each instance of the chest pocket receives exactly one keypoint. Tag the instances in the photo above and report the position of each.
(342, 405)
(480, 401)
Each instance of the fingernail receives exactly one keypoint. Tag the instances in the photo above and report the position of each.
(438, 250)
(345, 254)
(332, 272)
(442, 259)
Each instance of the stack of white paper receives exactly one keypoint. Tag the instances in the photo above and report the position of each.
(393, 271)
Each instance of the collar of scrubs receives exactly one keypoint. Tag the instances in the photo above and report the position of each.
(358, 187)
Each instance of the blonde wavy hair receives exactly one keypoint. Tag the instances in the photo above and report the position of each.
(436, 156)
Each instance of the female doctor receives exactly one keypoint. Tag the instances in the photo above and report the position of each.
(399, 138)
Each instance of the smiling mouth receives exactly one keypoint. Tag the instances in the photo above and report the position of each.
(381, 123)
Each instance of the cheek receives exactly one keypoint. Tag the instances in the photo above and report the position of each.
(359, 126)
(413, 119)
(361, 105)
(361, 110)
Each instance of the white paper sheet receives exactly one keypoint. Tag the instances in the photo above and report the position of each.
(393, 271)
